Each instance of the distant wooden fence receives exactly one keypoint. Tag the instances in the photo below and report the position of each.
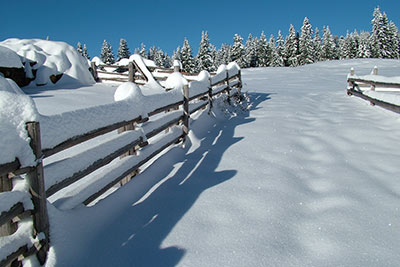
(169, 123)
(355, 84)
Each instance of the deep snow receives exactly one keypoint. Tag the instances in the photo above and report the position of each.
(306, 177)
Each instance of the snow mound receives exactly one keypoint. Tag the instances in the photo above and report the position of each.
(52, 59)
(9, 59)
(176, 81)
(16, 109)
(128, 90)
(97, 61)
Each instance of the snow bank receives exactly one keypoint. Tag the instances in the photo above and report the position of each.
(97, 61)
(15, 110)
(52, 58)
(201, 84)
(9, 59)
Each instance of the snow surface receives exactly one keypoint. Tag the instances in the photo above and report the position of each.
(9, 59)
(16, 109)
(52, 58)
(307, 176)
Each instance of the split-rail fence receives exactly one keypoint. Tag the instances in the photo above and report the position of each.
(166, 125)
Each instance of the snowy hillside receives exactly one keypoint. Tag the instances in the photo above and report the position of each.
(306, 177)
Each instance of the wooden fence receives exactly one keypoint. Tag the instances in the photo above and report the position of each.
(355, 85)
(163, 127)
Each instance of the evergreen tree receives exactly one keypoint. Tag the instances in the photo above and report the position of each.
(250, 53)
(223, 55)
(280, 47)
(380, 35)
(394, 42)
(275, 59)
(328, 47)
(79, 48)
(85, 52)
(364, 47)
(142, 52)
(262, 51)
(177, 54)
(317, 46)
(187, 60)
(151, 54)
(123, 50)
(306, 47)
(204, 56)
(237, 51)
(106, 54)
(291, 48)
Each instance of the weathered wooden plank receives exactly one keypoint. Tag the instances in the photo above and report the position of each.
(186, 113)
(373, 101)
(7, 227)
(199, 95)
(94, 166)
(9, 167)
(37, 189)
(127, 172)
(85, 137)
(165, 108)
(199, 107)
(219, 91)
(14, 256)
(163, 127)
(7, 216)
(374, 83)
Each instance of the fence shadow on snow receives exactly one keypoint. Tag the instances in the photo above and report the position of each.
(134, 236)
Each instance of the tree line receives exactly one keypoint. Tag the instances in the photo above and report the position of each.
(297, 48)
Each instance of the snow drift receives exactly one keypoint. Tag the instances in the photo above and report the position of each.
(50, 62)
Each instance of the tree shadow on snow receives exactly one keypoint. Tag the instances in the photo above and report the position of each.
(134, 236)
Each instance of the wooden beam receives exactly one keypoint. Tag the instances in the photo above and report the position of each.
(373, 101)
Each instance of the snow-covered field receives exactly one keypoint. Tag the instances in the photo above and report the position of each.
(307, 176)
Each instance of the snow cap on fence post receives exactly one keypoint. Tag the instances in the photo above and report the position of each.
(375, 71)
(177, 66)
(352, 72)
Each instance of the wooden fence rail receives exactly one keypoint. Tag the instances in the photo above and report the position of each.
(134, 134)
(355, 84)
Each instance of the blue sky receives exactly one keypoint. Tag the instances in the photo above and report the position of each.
(166, 23)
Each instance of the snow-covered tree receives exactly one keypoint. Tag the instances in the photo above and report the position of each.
(152, 53)
(364, 46)
(223, 55)
(204, 56)
(177, 54)
(275, 59)
(394, 37)
(262, 51)
(250, 53)
(317, 45)
(79, 48)
(380, 39)
(237, 51)
(280, 47)
(106, 54)
(161, 59)
(306, 46)
(142, 51)
(85, 52)
(291, 48)
(123, 50)
(186, 57)
(328, 46)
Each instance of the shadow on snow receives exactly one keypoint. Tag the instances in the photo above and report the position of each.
(134, 236)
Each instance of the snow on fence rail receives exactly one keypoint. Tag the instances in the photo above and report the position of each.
(143, 128)
(378, 90)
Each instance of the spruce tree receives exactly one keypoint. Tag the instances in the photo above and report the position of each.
(123, 50)
(79, 48)
(291, 48)
(394, 38)
(186, 57)
(364, 46)
(280, 47)
(85, 52)
(237, 51)
(250, 53)
(275, 59)
(317, 45)
(328, 47)
(262, 51)
(106, 54)
(306, 47)
(177, 54)
(204, 57)
(142, 52)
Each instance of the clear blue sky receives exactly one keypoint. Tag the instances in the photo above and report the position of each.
(167, 23)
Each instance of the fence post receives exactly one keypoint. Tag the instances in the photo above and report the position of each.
(374, 72)
(185, 111)
(94, 71)
(210, 100)
(5, 186)
(132, 71)
(37, 189)
(240, 84)
(228, 90)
